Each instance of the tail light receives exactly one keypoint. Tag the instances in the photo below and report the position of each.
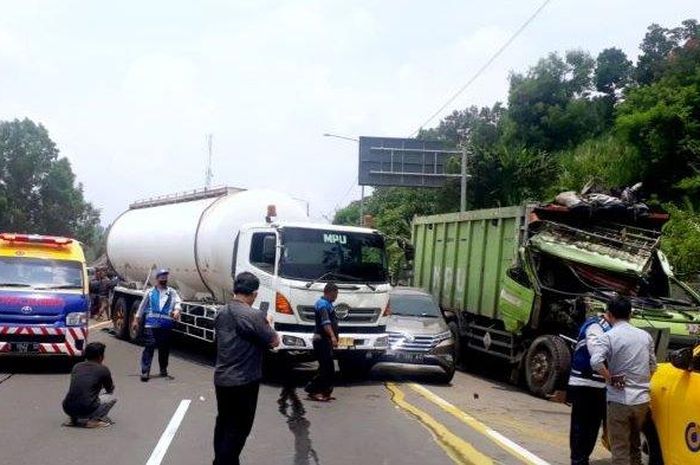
(387, 309)
(282, 305)
(35, 239)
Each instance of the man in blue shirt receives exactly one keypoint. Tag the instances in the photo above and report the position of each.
(325, 339)
(160, 306)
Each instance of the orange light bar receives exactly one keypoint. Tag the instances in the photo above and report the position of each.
(35, 239)
(282, 305)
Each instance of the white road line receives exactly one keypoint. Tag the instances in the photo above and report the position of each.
(167, 436)
(99, 325)
(505, 443)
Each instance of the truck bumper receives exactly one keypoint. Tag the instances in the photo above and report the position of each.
(303, 342)
(42, 340)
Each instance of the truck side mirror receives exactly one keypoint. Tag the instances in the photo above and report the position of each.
(682, 358)
(409, 252)
(269, 249)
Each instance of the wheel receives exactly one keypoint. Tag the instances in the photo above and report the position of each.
(547, 364)
(120, 319)
(134, 329)
(651, 449)
(458, 355)
(446, 377)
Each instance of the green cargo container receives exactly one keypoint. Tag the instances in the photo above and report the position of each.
(514, 282)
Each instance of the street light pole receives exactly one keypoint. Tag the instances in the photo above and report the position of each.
(362, 188)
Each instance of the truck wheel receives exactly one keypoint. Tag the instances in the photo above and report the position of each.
(458, 355)
(120, 319)
(547, 364)
(651, 450)
(134, 330)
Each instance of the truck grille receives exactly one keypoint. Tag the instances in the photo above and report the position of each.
(355, 314)
(399, 341)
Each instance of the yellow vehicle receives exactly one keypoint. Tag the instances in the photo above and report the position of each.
(673, 437)
(43, 296)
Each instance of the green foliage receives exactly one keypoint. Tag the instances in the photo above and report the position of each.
(38, 192)
(606, 160)
(681, 240)
(613, 71)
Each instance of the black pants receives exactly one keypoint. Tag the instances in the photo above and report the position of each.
(155, 338)
(323, 382)
(588, 407)
(236, 407)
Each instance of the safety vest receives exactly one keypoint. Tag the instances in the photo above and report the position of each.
(581, 361)
(157, 317)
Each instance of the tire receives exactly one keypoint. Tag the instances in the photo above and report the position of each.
(651, 449)
(134, 331)
(458, 354)
(120, 318)
(547, 364)
(446, 377)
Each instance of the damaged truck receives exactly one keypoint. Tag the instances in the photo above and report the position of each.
(516, 282)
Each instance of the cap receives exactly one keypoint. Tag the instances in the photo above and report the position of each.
(161, 272)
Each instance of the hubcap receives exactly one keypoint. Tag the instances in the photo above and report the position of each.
(540, 366)
(118, 317)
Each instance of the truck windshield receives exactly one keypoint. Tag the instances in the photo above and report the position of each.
(309, 254)
(38, 273)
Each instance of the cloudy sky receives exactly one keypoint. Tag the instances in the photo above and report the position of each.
(129, 89)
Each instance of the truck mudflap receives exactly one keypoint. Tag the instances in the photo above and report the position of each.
(43, 340)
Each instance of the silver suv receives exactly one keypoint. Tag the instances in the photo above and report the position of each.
(418, 334)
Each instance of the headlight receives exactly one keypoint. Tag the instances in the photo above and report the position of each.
(444, 336)
(293, 341)
(76, 319)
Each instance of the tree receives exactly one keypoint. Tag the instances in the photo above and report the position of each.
(38, 193)
(613, 72)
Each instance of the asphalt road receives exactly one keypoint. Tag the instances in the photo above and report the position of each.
(392, 418)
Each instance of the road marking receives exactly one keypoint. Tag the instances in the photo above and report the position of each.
(167, 436)
(460, 451)
(99, 325)
(503, 442)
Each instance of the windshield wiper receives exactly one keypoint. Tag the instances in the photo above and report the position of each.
(15, 285)
(341, 276)
(314, 281)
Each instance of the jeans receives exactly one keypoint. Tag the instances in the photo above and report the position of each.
(625, 423)
(107, 401)
(236, 407)
(587, 414)
(155, 338)
(323, 382)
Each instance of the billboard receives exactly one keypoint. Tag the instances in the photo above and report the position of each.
(391, 161)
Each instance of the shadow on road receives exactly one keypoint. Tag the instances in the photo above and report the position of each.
(292, 408)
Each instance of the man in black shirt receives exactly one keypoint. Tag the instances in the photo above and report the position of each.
(243, 334)
(325, 339)
(83, 403)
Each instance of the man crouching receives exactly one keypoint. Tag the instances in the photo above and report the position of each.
(84, 404)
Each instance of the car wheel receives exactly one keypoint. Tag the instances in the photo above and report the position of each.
(446, 377)
(547, 364)
(458, 355)
(120, 319)
(651, 449)
(134, 329)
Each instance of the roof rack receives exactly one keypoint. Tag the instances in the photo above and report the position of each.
(187, 196)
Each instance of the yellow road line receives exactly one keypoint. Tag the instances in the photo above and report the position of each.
(504, 443)
(460, 451)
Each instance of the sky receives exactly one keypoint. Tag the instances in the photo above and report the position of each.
(129, 90)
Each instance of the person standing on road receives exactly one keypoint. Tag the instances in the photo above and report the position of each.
(586, 391)
(625, 357)
(103, 286)
(84, 404)
(159, 307)
(325, 339)
(243, 335)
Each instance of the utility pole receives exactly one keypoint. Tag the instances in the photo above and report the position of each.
(465, 176)
(362, 205)
(208, 175)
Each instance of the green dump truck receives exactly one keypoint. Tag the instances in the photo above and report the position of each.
(514, 282)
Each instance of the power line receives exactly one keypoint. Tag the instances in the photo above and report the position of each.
(483, 68)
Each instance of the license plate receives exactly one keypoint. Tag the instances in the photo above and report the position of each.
(410, 358)
(346, 342)
(25, 347)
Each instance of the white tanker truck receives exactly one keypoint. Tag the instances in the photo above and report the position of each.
(206, 237)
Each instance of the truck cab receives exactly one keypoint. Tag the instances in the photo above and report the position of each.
(43, 296)
(294, 261)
